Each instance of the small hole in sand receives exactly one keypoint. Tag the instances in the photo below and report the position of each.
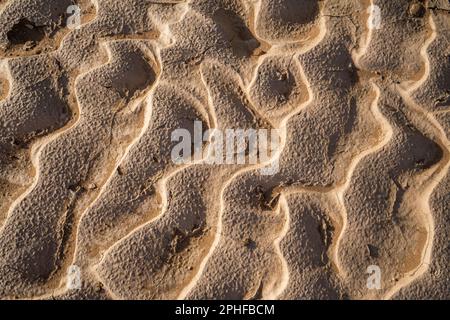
(25, 31)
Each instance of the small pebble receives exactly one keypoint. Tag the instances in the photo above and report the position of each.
(29, 45)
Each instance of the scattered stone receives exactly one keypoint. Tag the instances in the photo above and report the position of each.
(29, 45)
(249, 243)
(417, 10)
(373, 251)
(99, 287)
(91, 186)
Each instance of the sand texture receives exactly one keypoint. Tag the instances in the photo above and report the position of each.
(87, 179)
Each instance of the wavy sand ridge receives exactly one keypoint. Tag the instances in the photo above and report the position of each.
(360, 97)
(433, 273)
(407, 231)
(73, 183)
(187, 221)
(259, 195)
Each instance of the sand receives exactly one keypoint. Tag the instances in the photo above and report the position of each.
(87, 183)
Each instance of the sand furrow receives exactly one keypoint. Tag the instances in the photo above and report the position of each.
(192, 213)
(430, 275)
(76, 169)
(246, 204)
(399, 181)
(127, 93)
(55, 83)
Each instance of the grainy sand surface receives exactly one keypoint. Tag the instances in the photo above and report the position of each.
(361, 98)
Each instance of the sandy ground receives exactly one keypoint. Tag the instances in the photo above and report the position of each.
(362, 98)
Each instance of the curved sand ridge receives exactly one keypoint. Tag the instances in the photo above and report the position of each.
(407, 196)
(86, 176)
(433, 273)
